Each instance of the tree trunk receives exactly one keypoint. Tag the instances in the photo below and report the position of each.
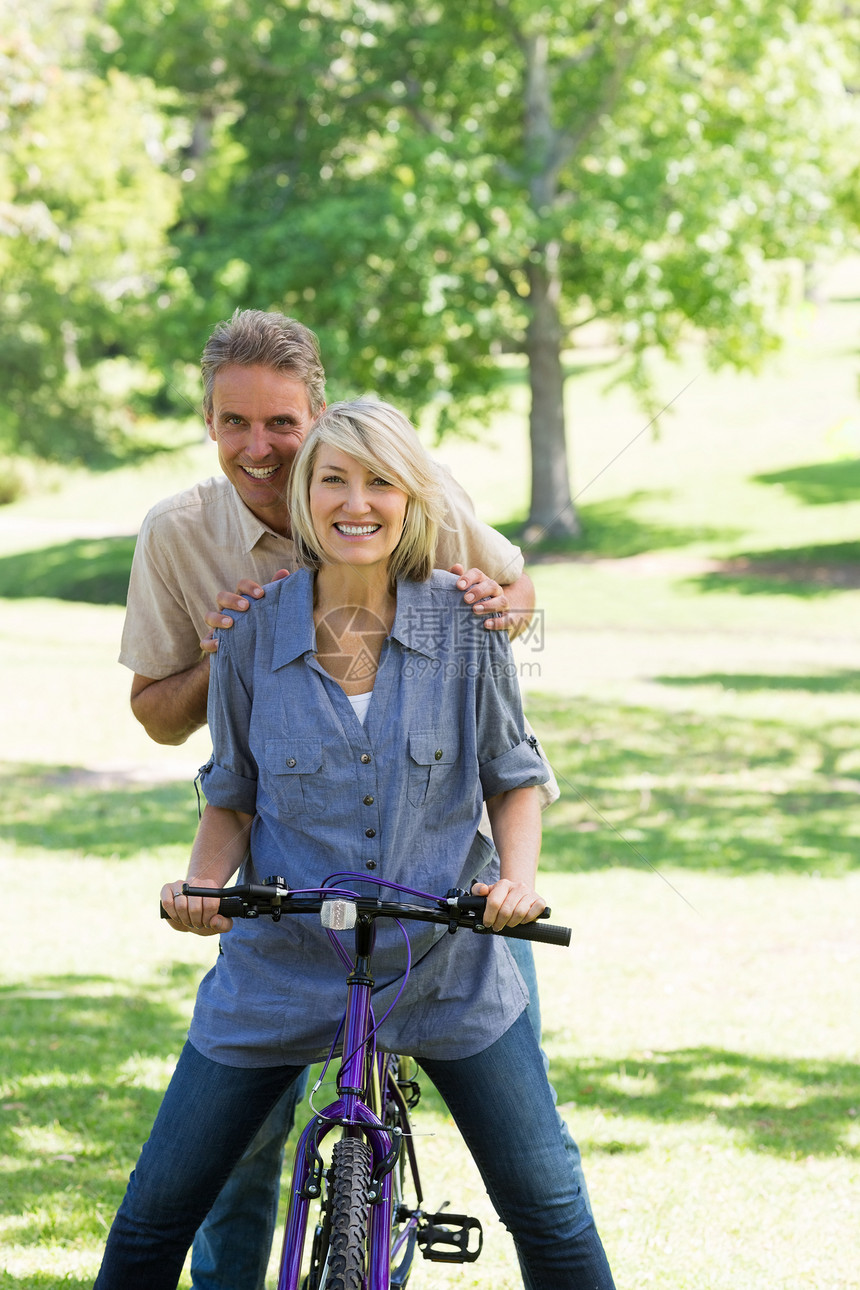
(551, 511)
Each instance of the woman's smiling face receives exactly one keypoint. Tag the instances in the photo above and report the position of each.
(357, 514)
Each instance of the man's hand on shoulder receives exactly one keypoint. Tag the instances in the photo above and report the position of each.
(238, 602)
(505, 608)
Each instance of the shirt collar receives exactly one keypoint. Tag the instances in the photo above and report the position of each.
(294, 631)
(251, 529)
(419, 624)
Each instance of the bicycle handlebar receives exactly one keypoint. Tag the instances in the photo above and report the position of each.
(273, 899)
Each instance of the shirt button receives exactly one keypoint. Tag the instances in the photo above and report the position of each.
(370, 833)
(365, 757)
(438, 754)
(368, 801)
(291, 761)
(371, 864)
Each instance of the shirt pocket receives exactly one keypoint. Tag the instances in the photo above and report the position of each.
(293, 774)
(432, 758)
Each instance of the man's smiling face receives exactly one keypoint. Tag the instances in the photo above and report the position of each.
(259, 418)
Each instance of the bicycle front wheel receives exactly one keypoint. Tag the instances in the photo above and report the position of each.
(352, 1161)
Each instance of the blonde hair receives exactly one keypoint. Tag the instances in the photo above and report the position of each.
(382, 440)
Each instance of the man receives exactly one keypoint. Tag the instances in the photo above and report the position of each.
(263, 386)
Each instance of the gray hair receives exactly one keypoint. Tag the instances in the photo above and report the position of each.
(253, 337)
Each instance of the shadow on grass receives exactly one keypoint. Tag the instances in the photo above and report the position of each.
(836, 682)
(641, 787)
(92, 570)
(84, 1064)
(786, 1106)
(820, 484)
(79, 1096)
(805, 571)
(612, 530)
(647, 789)
(61, 808)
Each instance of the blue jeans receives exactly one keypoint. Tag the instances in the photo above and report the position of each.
(524, 958)
(502, 1104)
(232, 1246)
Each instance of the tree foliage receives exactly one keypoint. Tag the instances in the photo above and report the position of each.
(431, 186)
(85, 202)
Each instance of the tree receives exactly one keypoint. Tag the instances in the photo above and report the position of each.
(432, 185)
(85, 202)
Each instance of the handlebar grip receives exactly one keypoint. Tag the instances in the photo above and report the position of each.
(548, 933)
(477, 905)
(229, 906)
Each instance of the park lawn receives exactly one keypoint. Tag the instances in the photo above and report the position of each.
(693, 677)
(702, 1029)
(701, 1034)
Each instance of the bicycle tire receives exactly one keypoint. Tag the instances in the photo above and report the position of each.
(352, 1161)
(405, 1188)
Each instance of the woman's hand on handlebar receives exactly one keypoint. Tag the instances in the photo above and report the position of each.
(509, 903)
(193, 913)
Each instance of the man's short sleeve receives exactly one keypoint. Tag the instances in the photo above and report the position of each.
(159, 637)
(466, 540)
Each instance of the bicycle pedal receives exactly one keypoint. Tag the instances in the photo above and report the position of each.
(447, 1238)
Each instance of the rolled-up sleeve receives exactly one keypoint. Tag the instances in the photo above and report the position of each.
(507, 757)
(519, 767)
(223, 788)
(229, 778)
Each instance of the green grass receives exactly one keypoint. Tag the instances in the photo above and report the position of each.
(735, 794)
(85, 570)
(693, 675)
(700, 1049)
(83, 814)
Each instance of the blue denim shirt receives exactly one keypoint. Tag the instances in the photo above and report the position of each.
(399, 798)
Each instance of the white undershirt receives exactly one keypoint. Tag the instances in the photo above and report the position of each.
(360, 704)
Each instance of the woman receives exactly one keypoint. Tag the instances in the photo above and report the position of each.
(360, 718)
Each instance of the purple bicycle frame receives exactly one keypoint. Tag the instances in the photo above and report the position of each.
(351, 1111)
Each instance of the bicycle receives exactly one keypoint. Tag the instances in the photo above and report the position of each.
(367, 1232)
